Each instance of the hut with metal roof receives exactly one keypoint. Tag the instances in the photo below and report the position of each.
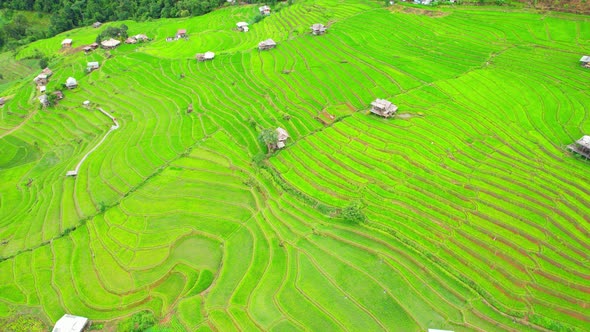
(71, 83)
(71, 323)
(264, 10)
(318, 29)
(205, 56)
(90, 66)
(282, 136)
(581, 147)
(66, 43)
(242, 26)
(383, 108)
(110, 43)
(267, 44)
(585, 61)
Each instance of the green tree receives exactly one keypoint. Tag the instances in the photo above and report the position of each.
(353, 213)
(43, 63)
(269, 138)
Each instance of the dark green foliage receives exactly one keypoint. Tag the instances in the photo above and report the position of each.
(112, 32)
(353, 213)
(269, 138)
(43, 63)
(69, 14)
(139, 322)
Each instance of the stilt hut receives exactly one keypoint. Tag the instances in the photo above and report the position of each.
(581, 147)
(383, 108)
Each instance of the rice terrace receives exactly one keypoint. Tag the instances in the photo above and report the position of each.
(331, 165)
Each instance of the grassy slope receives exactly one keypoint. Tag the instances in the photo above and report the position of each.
(460, 234)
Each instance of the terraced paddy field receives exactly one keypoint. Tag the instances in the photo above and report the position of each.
(476, 217)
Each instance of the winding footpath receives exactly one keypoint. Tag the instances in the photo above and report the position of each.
(115, 126)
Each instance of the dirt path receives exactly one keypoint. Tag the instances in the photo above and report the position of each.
(115, 126)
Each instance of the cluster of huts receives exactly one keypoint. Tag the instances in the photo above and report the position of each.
(137, 39)
(41, 81)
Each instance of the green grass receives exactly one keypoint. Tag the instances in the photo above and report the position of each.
(476, 217)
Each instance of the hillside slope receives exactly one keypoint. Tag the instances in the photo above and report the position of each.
(476, 217)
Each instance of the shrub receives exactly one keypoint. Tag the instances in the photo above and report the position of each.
(139, 322)
(353, 213)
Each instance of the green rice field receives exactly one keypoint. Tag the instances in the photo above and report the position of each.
(477, 218)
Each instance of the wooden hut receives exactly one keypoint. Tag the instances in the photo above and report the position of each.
(581, 147)
(242, 26)
(71, 83)
(90, 66)
(267, 44)
(110, 43)
(264, 10)
(43, 100)
(66, 43)
(87, 49)
(96, 25)
(47, 72)
(205, 56)
(71, 323)
(318, 29)
(181, 33)
(131, 40)
(141, 37)
(40, 79)
(58, 94)
(383, 108)
(282, 136)
(585, 61)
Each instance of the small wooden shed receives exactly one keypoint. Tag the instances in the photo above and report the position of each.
(43, 100)
(181, 33)
(71, 323)
(205, 56)
(110, 43)
(282, 136)
(90, 66)
(264, 10)
(242, 26)
(40, 79)
(267, 44)
(383, 108)
(141, 37)
(585, 61)
(66, 43)
(71, 83)
(318, 29)
(581, 147)
(47, 72)
(58, 94)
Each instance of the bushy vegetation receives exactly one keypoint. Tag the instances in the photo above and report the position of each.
(139, 322)
(470, 215)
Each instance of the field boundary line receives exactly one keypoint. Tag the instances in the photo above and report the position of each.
(115, 126)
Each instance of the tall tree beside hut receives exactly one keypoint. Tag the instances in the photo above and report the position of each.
(269, 137)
